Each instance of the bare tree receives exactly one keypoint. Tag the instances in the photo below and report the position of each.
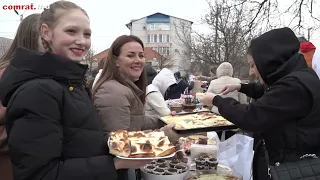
(234, 23)
(165, 61)
(185, 40)
(226, 42)
(301, 14)
(164, 57)
(88, 59)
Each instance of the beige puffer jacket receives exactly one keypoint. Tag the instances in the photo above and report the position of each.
(119, 107)
(224, 77)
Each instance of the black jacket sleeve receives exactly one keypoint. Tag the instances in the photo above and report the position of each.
(35, 139)
(286, 101)
(191, 85)
(253, 90)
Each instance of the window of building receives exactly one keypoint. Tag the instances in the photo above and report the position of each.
(165, 26)
(165, 38)
(163, 50)
(167, 51)
(160, 50)
(150, 26)
(155, 38)
(152, 38)
(160, 37)
(149, 38)
(158, 26)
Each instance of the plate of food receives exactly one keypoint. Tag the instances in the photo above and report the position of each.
(198, 122)
(140, 145)
(172, 169)
(187, 142)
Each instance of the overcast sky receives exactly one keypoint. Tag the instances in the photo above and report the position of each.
(108, 18)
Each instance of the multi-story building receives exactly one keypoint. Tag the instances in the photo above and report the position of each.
(165, 34)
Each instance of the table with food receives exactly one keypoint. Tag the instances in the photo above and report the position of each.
(187, 103)
(194, 156)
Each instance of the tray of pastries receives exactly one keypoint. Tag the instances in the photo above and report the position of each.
(198, 122)
(140, 145)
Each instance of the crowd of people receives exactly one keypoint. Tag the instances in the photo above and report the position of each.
(54, 125)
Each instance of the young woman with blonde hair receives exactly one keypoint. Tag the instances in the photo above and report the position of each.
(53, 128)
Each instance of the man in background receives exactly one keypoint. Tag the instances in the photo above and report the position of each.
(307, 49)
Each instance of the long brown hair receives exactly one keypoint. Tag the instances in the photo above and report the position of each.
(27, 36)
(51, 16)
(111, 71)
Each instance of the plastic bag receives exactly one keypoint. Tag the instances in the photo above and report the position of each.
(213, 136)
(237, 153)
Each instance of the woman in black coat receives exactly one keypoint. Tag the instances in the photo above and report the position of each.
(287, 113)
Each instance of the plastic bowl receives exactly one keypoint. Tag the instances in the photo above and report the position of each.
(148, 176)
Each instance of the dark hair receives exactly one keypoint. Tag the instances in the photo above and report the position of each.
(302, 39)
(27, 37)
(177, 75)
(212, 70)
(111, 71)
(151, 73)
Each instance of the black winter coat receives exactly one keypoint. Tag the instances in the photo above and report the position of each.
(176, 90)
(287, 114)
(53, 128)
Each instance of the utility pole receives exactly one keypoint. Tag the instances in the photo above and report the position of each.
(309, 34)
(216, 34)
(21, 15)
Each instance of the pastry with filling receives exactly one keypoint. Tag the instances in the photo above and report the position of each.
(119, 144)
(140, 144)
(151, 147)
(199, 120)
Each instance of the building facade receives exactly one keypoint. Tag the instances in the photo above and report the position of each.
(165, 34)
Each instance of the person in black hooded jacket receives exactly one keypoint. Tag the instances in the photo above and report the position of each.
(287, 113)
(177, 89)
(54, 131)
